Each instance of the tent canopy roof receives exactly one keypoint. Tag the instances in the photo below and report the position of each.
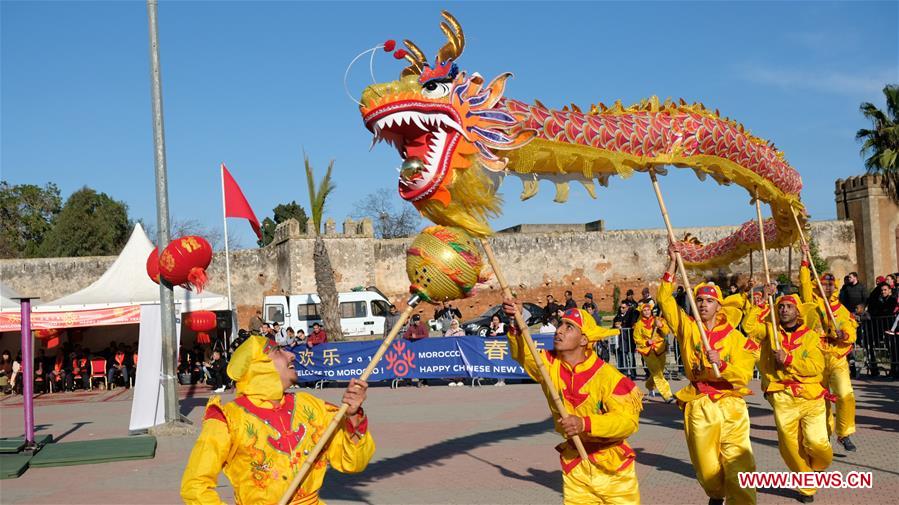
(6, 298)
(126, 283)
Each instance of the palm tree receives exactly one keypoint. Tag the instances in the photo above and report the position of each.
(882, 142)
(324, 274)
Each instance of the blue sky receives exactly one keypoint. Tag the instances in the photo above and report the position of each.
(253, 84)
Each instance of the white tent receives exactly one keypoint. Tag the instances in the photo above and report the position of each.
(126, 283)
(7, 304)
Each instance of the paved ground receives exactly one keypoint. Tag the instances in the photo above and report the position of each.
(442, 445)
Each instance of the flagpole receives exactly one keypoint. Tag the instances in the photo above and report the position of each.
(227, 253)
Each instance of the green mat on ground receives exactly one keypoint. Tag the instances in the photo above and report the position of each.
(15, 444)
(13, 465)
(89, 452)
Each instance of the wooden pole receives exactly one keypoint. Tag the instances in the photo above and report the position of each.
(326, 437)
(548, 388)
(758, 212)
(682, 269)
(811, 263)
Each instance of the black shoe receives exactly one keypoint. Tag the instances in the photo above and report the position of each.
(847, 444)
(716, 501)
(805, 498)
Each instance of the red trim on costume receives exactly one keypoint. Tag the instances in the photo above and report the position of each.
(624, 386)
(713, 389)
(750, 345)
(648, 322)
(790, 341)
(215, 412)
(629, 455)
(587, 424)
(568, 467)
(805, 263)
(574, 381)
(668, 277)
(361, 429)
(788, 360)
(280, 419)
(717, 335)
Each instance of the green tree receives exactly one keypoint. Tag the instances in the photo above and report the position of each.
(881, 142)
(26, 216)
(282, 213)
(324, 274)
(89, 224)
(820, 263)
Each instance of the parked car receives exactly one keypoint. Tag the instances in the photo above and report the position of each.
(361, 312)
(480, 325)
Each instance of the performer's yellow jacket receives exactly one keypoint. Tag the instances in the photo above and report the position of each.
(735, 350)
(802, 373)
(596, 391)
(261, 439)
(845, 320)
(650, 339)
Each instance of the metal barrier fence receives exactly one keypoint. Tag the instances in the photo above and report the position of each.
(621, 351)
(877, 349)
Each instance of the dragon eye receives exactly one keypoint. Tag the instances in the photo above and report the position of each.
(435, 89)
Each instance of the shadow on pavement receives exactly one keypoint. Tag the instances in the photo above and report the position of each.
(664, 463)
(71, 430)
(340, 486)
(187, 405)
(551, 480)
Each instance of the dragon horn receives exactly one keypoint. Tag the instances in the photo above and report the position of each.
(456, 28)
(415, 57)
(419, 55)
(455, 38)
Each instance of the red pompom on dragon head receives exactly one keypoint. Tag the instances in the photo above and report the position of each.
(458, 136)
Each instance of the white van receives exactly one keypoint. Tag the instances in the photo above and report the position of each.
(361, 312)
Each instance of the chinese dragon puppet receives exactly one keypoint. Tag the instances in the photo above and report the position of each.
(459, 136)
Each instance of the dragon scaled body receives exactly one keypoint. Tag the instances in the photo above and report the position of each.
(458, 136)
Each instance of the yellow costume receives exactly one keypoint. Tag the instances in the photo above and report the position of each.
(609, 405)
(796, 393)
(716, 419)
(652, 345)
(836, 366)
(261, 438)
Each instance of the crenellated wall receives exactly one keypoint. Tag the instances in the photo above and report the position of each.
(536, 264)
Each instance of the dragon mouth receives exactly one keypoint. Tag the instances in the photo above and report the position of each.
(425, 136)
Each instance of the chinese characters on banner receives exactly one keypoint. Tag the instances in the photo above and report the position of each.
(430, 358)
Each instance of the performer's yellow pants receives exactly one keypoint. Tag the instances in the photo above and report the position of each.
(802, 433)
(656, 380)
(718, 440)
(836, 379)
(589, 485)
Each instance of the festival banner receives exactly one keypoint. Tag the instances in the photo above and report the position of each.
(429, 358)
(12, 321)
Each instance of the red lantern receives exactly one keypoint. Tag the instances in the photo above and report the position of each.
(184, 261)
(46, 334)
(201, 321)
(153, 265)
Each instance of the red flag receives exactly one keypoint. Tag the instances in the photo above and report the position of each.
(236, 204)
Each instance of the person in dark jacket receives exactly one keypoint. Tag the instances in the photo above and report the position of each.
(551, 306)
(853, 293)
(218, 369)
(569, 301)
(882, 302)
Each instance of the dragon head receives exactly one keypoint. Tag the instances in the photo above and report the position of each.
(447, 126)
